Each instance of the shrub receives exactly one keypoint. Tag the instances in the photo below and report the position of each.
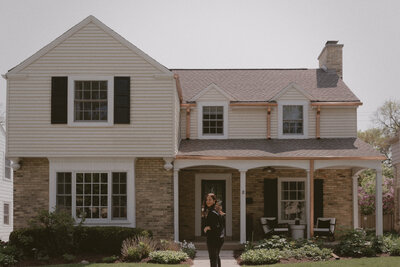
(188, 248)
(9, 255)
(275, 242)
(68, 257)
(168, 257)
(311, 252)
(135, 249)
(169, 245)
(260, 256)
(356, 243)
(110, 259)
(395, 248)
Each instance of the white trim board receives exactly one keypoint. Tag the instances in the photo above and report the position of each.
(74, 165)
(212, 86)
(305, 105)
(228, 194)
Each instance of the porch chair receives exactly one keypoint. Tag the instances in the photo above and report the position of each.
(271, 227)
(325, 227)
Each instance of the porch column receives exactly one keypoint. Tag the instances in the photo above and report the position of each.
(243, 206)
(355, 201)
(378, 203)
(308, 201)
(176, 205)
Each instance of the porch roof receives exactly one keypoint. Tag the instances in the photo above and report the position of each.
(327, 148)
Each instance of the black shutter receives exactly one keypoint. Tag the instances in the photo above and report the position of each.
(122, 100)
(271, 198)
(318, 198)
(59, 100)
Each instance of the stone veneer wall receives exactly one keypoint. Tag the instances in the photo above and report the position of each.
(31, 190)
(154, 197)
(338, 201)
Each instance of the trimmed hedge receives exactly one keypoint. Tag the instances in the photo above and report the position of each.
(81, 239)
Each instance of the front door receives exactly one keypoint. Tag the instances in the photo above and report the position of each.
(218, 188)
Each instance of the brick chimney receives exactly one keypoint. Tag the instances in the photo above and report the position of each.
(331, 57)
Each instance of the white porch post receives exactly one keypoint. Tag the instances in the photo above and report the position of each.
(176, 205)
(355, 201)
(378, 203)
(243, 206)
(308, 201)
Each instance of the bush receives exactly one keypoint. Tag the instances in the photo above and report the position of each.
(169, 245)
(188, 248)
(275, 242)
(168, 257)
(68, 257)
(260, 256)
(310, 252)
(9, 255)
(135, 249)
(395, 248)
(110, 259)
(357, 243)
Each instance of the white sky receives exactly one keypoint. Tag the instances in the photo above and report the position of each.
(228, 34)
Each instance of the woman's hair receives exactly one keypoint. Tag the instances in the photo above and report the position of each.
(205, 209)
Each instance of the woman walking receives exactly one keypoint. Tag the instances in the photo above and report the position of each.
(214, 229)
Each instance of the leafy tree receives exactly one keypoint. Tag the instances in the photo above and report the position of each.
(387, 117)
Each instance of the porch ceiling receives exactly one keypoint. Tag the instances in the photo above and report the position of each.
(329, 148)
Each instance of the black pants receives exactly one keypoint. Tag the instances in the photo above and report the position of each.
(214, 247)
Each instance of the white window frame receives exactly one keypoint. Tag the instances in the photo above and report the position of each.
(9, 213)
(305, 105)
(288, 179)
(71, 99)
(96, 165)
(9, 179)
(200, 106)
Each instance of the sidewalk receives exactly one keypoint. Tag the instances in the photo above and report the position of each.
(202, 260)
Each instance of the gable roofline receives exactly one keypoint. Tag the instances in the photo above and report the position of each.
(75, 29)
(290, 86)
(208, 88)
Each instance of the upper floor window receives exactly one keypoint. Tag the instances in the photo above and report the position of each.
(213, 120)
(292, 119)
(7, 172)
(90, 103)
(6, 214)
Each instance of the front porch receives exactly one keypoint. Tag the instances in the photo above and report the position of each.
(247, 197)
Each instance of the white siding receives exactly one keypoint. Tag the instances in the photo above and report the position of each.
(292, 94)
(247, 122)
(312, 117)
(212, 95)
(91, 51)
(193, 123)
(338, 122)
(6, 193)
(274, 122)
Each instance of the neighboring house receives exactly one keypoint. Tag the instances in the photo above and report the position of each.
(100, 128)
(6, 190)
(395, 149)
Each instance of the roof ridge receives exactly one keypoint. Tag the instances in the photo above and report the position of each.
(172, 69)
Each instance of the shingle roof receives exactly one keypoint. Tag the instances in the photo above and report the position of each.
(263, 84)
(279, 148)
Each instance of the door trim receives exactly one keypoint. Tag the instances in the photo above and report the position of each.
(228, 195)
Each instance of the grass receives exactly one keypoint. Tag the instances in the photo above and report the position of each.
(120, 265)
(363, 262)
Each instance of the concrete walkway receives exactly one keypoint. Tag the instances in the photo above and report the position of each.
(202, 260)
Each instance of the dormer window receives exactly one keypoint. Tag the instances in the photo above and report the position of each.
(213, 120)
(292, 119)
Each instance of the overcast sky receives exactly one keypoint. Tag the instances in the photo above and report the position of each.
(228, 34)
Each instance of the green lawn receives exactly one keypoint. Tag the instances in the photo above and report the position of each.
(120, 265)
(364, 262)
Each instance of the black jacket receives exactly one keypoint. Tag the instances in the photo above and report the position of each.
(215, 221)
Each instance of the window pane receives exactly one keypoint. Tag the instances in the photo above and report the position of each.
(292, 202)
(63, 194)
(213, 120)
(90, 99)
(292, 122)
(119, 195)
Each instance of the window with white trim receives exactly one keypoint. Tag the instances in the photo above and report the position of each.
(93, 195)
(292, 199)
(6, 214)
(7, 171)
(213, 120)
(90, 100)
(292, 119)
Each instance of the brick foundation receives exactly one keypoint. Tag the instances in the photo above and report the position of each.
(31, 190)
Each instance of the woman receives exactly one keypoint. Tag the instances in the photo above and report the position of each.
(214, 229)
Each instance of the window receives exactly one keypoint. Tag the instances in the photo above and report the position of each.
(213, 120)
(292, 119)
(292, 203)
(89, 196)
(6, 213)
(7, 173)
(90, 101)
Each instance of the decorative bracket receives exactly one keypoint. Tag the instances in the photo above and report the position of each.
(15, 163)
(168, 163)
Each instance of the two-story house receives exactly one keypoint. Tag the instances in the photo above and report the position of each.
(395, 150)
(6, 189)
(104, 131)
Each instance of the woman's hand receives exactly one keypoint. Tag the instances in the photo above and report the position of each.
(206, 229)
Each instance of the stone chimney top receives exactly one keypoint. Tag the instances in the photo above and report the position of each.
(331, 57)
